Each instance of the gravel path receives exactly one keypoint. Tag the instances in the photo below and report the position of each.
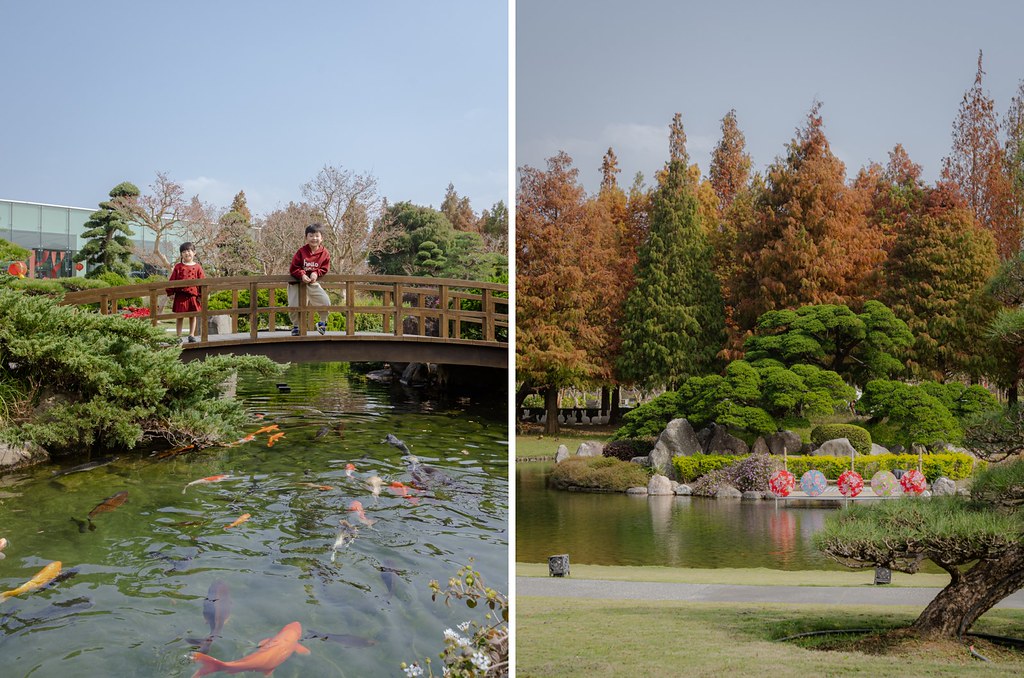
(570, 587)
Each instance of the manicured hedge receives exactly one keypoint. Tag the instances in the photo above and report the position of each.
(859, 437)
(955, 466)
(598, 473)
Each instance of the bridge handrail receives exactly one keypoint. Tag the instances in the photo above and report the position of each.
(436, 306)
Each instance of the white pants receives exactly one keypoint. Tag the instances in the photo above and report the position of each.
(315, 296)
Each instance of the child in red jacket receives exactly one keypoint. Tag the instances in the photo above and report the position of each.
(309, 264)
(186, 299)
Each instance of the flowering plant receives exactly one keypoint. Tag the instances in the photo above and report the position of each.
(483, 650)
(135, 312)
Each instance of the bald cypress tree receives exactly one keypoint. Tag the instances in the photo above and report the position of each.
(673, 320)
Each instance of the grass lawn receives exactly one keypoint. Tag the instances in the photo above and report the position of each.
(540, 446)
(581, 637)
(759, 576)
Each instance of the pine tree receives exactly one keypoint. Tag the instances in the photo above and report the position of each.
(975, 165)
(108, 246)
(1013, 157)
(239, 205)
(673, 318)
(730, 163)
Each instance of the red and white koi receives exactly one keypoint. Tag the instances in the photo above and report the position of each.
(350, 469)
(356, 506)
(3, 545)
(401, 490)
(208, 479)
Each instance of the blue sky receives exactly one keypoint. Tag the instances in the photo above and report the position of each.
(255, 96)
(597, 73)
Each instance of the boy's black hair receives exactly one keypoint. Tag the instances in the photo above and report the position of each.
(314, 228)
(186, 246)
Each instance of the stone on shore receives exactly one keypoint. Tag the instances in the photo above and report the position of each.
(659, 485)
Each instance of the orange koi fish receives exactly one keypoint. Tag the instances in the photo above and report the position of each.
(241, 441)
(42, 578)
(241, 519)
(173, 452)
(400, 490)
(208, 479)
(109, 504)
(272, 653)
(265, 429)
(274, 438)
(357, 507)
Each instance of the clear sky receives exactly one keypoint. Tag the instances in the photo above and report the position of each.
(253, 95)
(597, 73)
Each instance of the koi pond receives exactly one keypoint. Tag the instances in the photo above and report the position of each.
(616, 529)
(177, 567)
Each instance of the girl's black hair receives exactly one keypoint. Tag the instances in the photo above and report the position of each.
(186, 246)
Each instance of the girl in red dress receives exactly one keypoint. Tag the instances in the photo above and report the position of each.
(186, 299)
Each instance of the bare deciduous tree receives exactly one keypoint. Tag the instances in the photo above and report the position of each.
(348, 205)
(280, 234)
(163, 210)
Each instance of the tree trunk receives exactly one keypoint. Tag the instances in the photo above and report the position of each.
(1012, 393)
(521, 394)
(615, 415)
(962, 602)
(606, 399)
(551, 407)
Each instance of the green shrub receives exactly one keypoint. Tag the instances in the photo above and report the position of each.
(858, 437)
(690, 468)
(598, 473)
(629, 448)
(651, 418)
(219, 301)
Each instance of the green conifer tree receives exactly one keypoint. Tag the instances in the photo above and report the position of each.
(108, 247)
(674, 319)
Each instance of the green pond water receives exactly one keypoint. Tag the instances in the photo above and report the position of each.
(616, 529)
(133, 604)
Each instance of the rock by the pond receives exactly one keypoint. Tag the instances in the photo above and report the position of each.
(943, 487)
(840, 447)
(784, 439)
(897, 449)
(643, 461)
(590, 448)
(918, 448)
(878, 449)
(637, 490)
(562, 454)
(728, 492)
(682, 490)
(752, 495)
(678, 438)
(723, 442)
(17, 456)
(659, 484)
(760, 447)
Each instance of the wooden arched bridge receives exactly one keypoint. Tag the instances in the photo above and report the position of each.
(371, 318)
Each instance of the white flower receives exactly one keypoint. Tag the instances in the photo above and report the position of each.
(481, 661)
(413, 670)
(451, 635)
(464, 626)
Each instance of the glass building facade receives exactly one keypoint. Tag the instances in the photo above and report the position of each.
(53, 233)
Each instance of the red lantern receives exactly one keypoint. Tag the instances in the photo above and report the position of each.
(781, 483)
(913, 481)
(18, 269)
(850, 484)
(79, 266)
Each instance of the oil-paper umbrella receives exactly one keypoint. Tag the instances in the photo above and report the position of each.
(813, 483)
(850, 484)
(913, 482)
(781, 483)
(884, 484)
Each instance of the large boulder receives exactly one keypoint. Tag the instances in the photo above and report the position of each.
(562, 454)
(17, 456)
(723, 442)
(784, 439)
(760, 447)
(682, 490)
(943, 487)
(728, 492)
(659, 484)
(590, 448)
(878, 449)
(677, 439)
(840, 447)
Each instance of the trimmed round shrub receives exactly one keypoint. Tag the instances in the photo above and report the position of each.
(859, 437)
(598, 473)
(625, 450)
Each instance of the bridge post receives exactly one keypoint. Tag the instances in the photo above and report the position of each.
(488, 310)
(443, 304)
(204, 312)
(254, 319)
(350, 308)
(399, 324)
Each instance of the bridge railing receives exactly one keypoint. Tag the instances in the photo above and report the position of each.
(452, 310)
